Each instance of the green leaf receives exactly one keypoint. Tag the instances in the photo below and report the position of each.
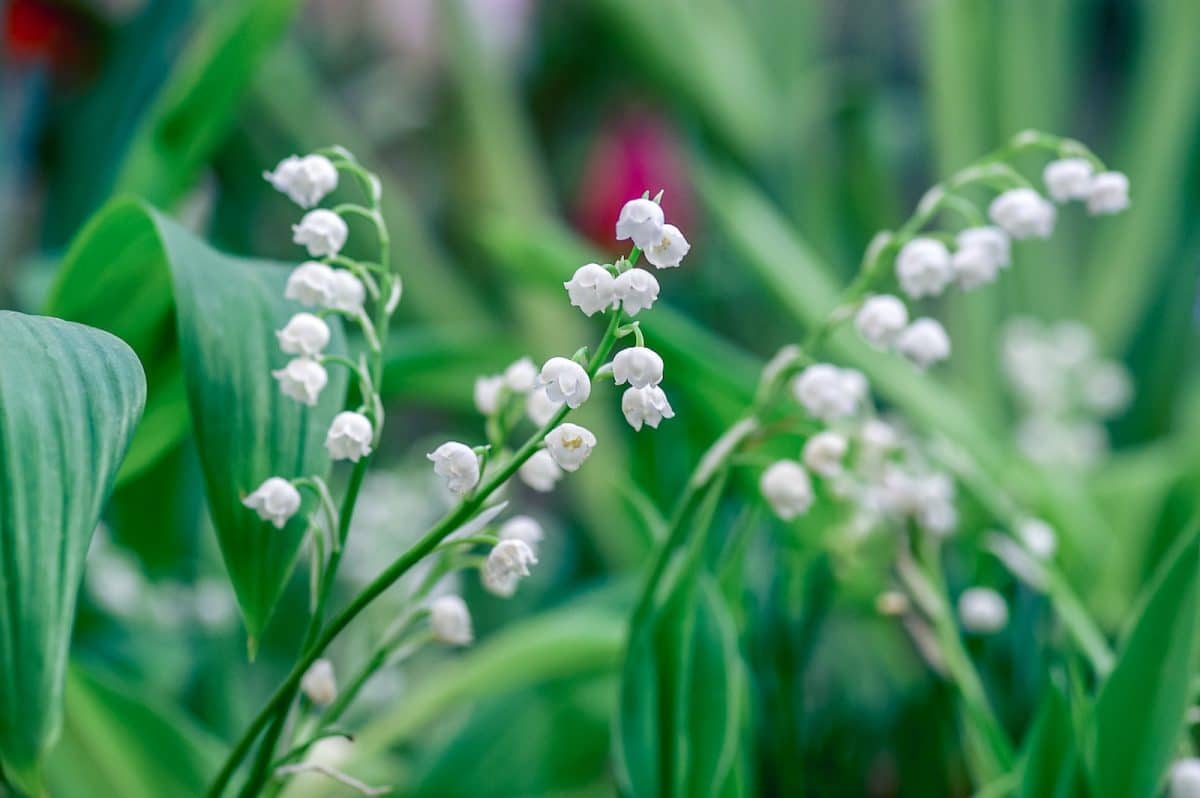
(224, 311)
(1049, 757)
(1141, 707)
(70, 398)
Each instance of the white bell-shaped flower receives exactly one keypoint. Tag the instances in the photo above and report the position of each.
(506, 564)
(304, 334)
(276, 501)
(642, 221)
(540, 472)
(647, 405)
(305, 180)
(565, 381)
(540, 408)
(523, 528)
(591, 288)
(924, 342)
(668, 251)
(880, 320)
(824, 453)
(974, 267)
(521, 376)
(637, 290)
(1106, 388)
(982, 610)
(1038, 536)
(1108, 193)
(322, 232)
(348, 293)
(828, 392)
(992, 239)
(639, 366)
(877, 438)
(923, 267)
(450, 621)
(310, 283)
(350, 436)
(458, 464)
(787, 488)
(302, 379)
(1068, 179)
(1023, 213)
(570, 444)
(319, 684)
(1183, 780)
(487, 393)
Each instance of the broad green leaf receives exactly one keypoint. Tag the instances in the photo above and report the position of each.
(1140, 710)
(70, 397)
(219, 314)
(1049, 756)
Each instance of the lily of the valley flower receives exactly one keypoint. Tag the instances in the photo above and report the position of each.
(350, 436)
(880, 320)
(787, 488)
(824, 453)
(992, 240)
(506, 564)
(487, 393)
(458, 464)
(642, 221)
(636, 289)
(1184, 779)
(305, 180)
(565, 381)
(639, 366)
(276, 501)
(523, 528)
(570, 444)
(540, 408)
(322, 232)
(591, 288)
(924, 342)
(982, 610)
(923, 267)
(540, 472)
(1023, 213)
(450, 620)
(1038, 536)
(1068, 179)
(1108, 193)
(319, 684)
(647, 405)
(668, 251)
(521, 376)
(310, 283)
(347, 293)
(302, 379)
(828, 392)
(974, 266)
(304, 334)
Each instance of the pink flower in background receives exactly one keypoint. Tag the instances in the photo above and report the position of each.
(634, 152)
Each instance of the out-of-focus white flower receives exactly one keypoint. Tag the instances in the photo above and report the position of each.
(322, 232)
(458, 464)
(1107, 388)
(974, 267)
(637, 289)
(305, 180)
(450, 621)
(877, 438)
(982, 610)
(923, 267)
(540, 407)
(311, 284)
(214, 605)
(1184, 779)
(302, 379)
(565, 381)
(348, 293)
(319, 683)
(350, 436)
(828, 392)
(824, 452)
(924, 342)
(647, 405)
(591, 288)
(1023, 213)
(570, 444)
(506, 564)
(523, 528)
(992, 239)
(668, 251)
(521, 375)
(641, 220)
(540, 472)
(880, 320)
(1061, 442)
(1068, 179)
(1038, 537)
(786, 487)
(938, 518)
(276, 500)
(1072, 344)
(1108, 193)
(487, 393)
(304, 334)
(639, 366)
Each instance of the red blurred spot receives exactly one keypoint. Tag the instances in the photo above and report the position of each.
(40, 30)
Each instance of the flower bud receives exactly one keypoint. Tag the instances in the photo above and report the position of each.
(828, 392)
(1108, 193)
(276, 500)
(641, 220)
(569, 445)
(639, 366)
(787, 488)
(521, 376)
(924, 342)
(824, 452)
(540, 408)
(880, 320)
(302, 379)
(1068, 179)
(1038, 537)
(304, 334)
(923, 267)
(982, 610)
(647, 405)
(458, 464)
(487, 393)
(350, 436)
(1023, 213)
(322, 232)
(565, 381)
(310, 283)
(347, 293)
(591, 288)
(319, 684)
(540, 472)
(637, 290)
(668, 251)
(451, 621)
(506, 564)
(305, 180)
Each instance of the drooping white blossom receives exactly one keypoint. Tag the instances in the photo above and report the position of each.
(506, 564)
(319, 684)
(487, 393)
(669, 250)
(828, 392)
(647, 405)
(302, 379)
(311, 284)
(1184, 779)
(877, 438)
(974, 266)
(458, 464)
(787, 488)
(636, 289)
(992, 239)
(639, 366)
(924, 342)
(1108, 193)
(305, 180)
(540, 408)
(1038, 536)
(824, 453)
(276, 501)
(304, 334)
(347, 293)
(642, 221)
(523, 528)
(450, 620)
(570, 444)
(521, 375)
(540, 472)
(1023, 213)
(880, 320)
(322, 232)
(564, 380)
(982, 610)
(923, 267)
(350, 436)
(1068, 179)
(591, 289)
(1106, 388)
